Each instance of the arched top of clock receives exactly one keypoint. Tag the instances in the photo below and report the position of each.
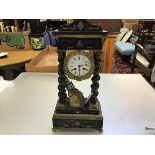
(81, 26)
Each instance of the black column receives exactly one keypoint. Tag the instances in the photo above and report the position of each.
(61, 77)
(96, 77)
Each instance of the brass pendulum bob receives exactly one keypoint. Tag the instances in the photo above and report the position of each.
(76, 98)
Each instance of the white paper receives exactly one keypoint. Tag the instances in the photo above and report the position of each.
(4, 84)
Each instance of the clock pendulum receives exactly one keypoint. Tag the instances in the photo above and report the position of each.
(75, 97)
(84, 41)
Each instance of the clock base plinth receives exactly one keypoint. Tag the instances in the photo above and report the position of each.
(67, 109)
(78, 120)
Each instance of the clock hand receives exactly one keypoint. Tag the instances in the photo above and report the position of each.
(79, 69)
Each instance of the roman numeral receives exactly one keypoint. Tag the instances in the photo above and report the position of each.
(85, 69)
(73, 69)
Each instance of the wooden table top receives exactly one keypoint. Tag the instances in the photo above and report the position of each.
(16, 57)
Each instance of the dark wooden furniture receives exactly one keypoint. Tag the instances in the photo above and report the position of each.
(55, 24)
(147, 25)
(146, 30)
(110, 25)
(144, 57)
(79, 35)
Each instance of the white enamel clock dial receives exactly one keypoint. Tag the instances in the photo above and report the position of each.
(79, 65)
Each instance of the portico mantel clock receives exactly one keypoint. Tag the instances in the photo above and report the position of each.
(79, 47)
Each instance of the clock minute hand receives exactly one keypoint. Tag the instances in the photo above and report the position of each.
(79, 69)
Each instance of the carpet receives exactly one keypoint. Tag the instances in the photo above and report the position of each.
(121, 64)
